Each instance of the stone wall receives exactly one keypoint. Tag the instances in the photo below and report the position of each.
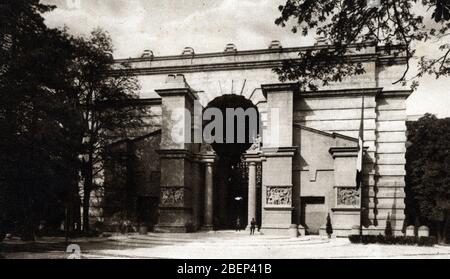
(390, 155)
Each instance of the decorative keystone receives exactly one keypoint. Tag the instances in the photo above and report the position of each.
(230, 48)
(188, 51)
(275, 44)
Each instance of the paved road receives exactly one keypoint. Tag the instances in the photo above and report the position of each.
(216, 245)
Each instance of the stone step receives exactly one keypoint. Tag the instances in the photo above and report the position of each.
(230, 241)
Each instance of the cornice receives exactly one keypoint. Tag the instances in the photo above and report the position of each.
(185, 92)
(345, 151)
(270, 58)
(374, 91)
(279, 87)
(240, 53)
(396, 93)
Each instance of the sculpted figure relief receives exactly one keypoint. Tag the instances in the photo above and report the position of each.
(279, 195)
(347, 196)
(256, 146)
(172, 196)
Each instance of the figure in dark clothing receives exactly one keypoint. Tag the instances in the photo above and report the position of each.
(238, 224)
(252, 226)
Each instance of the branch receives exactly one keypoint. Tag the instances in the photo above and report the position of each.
(403, 34)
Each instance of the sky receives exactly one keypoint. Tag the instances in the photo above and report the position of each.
(167, 26)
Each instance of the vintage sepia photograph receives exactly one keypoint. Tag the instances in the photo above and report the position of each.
(224, 129)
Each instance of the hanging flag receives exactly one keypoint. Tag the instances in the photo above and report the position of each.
(359, 159)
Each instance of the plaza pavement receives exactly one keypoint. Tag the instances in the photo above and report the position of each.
(215, 245)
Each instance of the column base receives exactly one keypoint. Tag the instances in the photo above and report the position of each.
(275, 231)
(257, 231)
(207, 228)
(171, 229)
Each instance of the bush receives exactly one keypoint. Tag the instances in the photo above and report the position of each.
(329, 227)
(427, 241)
(388, 229)
(189, 227)
(355, 239)
(393, 240)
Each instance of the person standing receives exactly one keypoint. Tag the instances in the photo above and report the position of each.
(252, 226)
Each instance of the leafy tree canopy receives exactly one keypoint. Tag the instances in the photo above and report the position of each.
(428, 171)
(347, 22)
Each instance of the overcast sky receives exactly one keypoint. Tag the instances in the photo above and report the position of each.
(167, 26)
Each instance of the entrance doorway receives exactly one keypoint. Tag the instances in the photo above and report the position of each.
(313, 213)
(231, 171)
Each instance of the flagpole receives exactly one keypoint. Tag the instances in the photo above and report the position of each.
(361, 185)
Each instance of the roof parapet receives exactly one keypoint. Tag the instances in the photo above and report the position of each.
(147, 54)
(230, 48)
(275, 44)
(188, 51)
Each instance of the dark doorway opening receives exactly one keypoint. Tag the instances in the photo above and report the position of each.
(231, 173)
(313, 213)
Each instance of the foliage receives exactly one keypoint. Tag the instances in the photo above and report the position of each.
(59, 100)
(388, 229)
(104, 96)
(428, 172)
(38, 153)
(329, 227)
(393, 240)
(347, 23)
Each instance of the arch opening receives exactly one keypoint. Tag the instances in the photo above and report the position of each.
(230, 175)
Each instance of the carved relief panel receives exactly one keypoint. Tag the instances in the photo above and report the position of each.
(347, 197)
(172, 196)
(279, 195)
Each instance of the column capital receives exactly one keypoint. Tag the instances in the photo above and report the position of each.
(280, 151)
(279, 87)
(174, 153)
(207, 158)
(253, 157)
(176, 85)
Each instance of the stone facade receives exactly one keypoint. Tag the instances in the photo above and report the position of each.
(310, 170)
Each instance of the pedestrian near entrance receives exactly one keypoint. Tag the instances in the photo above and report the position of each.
(252, 226)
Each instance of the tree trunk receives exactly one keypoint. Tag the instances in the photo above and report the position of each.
(444, 229)
(439, 231)
(87, 188)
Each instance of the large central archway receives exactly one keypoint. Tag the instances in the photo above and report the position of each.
(231, 176)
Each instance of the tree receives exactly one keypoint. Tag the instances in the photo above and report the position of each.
(428, 173)
(346, 23)
(104, 98)
(388, 230)
(37, 155)
(329, 227)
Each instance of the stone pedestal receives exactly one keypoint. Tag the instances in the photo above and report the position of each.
(293, 231)
(410, 231)
(277, 192)
(175, 205)
(423, 231)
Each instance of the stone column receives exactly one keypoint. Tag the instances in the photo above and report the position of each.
(251, 192)
(209, 194)
(252, 157)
